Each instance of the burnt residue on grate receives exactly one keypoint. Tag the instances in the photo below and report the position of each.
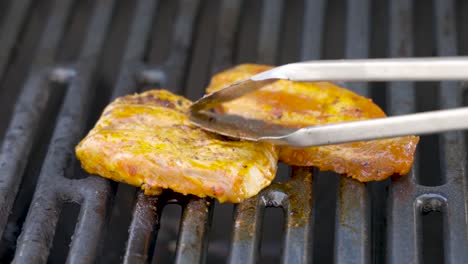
(62, 61)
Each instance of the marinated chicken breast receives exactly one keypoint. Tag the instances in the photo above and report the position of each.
(297, 105)
(146, 140)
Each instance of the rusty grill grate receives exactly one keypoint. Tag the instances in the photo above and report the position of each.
(61, 61)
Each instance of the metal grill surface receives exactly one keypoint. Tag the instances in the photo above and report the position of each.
(61, 61)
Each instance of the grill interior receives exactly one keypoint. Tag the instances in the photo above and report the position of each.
(62, 61)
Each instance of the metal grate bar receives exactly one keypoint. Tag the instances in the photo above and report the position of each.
(314, 20)
(141, 229)
(312, 38)
(352, 229)
(11, 30)
(357, 37)
(94, 191)
(247, 232)
(91, 221)
(245, 245)
(136, 46)
(53, 188)
(401, 232)
(294, 197)
(352, 222)
(298, 240)
(225, 36)
(453, 150)
(193, 231)
(29, 108)
(401, 45)
(352, 209)
(181, 42)
(247, 228)
(137, 247)
(192, 242)
(197, 214)
(270, 27)
(269, 31)
(145, 10)
(223, 58)
(449, 198)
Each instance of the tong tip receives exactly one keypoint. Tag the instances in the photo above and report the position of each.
(228, 93)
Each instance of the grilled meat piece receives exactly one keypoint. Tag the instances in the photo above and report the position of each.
(297, 105)
(146, 140)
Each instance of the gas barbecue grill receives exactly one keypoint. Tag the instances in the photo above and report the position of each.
(62, 61)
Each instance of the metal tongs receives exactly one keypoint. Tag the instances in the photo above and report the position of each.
(402, 69)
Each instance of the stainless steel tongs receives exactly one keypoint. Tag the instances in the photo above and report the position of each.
(407, 69)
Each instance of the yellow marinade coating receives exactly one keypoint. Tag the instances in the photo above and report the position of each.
(301, 104)
(147, 140)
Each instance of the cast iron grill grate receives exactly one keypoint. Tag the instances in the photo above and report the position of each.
(61, 61)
